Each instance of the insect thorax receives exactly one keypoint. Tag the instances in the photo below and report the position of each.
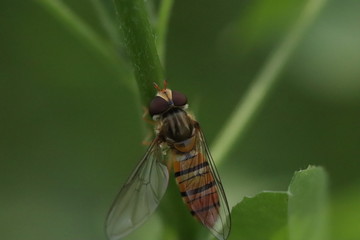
(176, 126)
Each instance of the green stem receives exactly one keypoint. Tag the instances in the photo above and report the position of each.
(162, 27)
(255, 97)
(139, 40)
(87, 35)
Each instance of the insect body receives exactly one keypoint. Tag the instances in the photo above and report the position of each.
(195, 173)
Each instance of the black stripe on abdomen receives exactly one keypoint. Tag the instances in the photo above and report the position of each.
(192, 169)
(215, 205)
(192, 177)
(198, 190)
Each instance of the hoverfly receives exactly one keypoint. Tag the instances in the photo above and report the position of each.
(180, 141)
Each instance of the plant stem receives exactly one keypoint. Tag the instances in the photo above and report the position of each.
(255, 97)
(162, 27)
(139, 40)
(87, 35)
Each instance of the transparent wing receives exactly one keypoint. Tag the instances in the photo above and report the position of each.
(202, 190)
(140, 195)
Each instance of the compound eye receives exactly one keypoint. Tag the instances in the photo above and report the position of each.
(158, 105)
(178, 98)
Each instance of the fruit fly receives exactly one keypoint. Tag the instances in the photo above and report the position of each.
(179, 141)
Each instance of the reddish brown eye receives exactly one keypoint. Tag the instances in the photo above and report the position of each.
(158, 105)
(178, 98)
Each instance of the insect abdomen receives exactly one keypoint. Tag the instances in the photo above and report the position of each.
(197, 186)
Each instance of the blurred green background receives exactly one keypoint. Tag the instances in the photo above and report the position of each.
(71, 130)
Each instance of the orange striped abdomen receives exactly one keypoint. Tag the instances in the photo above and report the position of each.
(197, 186)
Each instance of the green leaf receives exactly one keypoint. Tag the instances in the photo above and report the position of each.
(261, 217)
(299, 214)
(345, 212)
(308, 204)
